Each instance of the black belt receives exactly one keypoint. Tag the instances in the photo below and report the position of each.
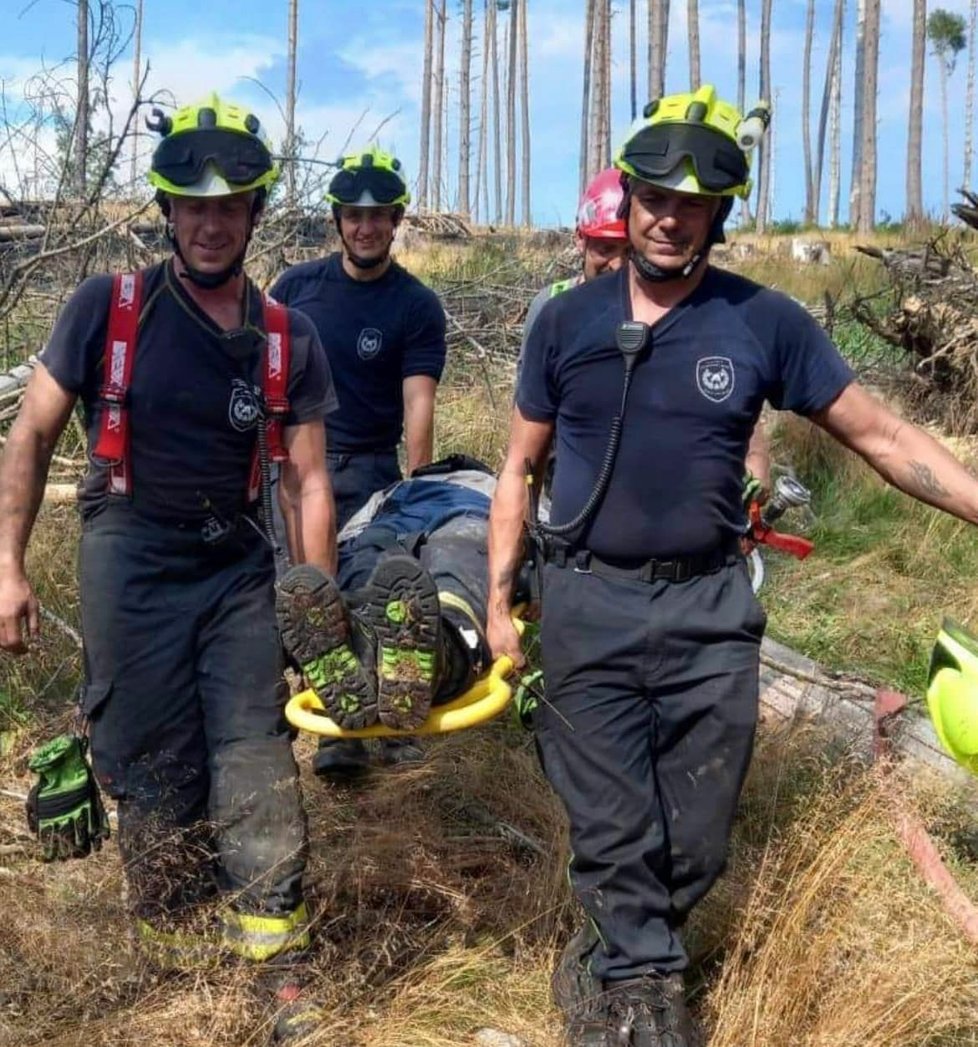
(673, 569)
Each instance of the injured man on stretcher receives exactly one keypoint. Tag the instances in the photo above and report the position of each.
(401, 627)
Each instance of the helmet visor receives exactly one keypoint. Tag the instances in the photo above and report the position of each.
(350, 184)
(719, 163)
(241, 159)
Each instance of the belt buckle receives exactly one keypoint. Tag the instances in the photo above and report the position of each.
(681, 570)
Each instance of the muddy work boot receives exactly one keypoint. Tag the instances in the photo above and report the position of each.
(675, 1024)
(572, 983)
(316, 630)
(400, 752)
(341, 759)
(296, 1015)
(649, 1011)
(401, 610)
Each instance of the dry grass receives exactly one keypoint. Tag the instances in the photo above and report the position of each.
(839, 944)
(885, 568)
(439, 899)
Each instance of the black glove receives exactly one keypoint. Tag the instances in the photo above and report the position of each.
(64, 809)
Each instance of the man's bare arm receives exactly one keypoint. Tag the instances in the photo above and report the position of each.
(528, 441)
(23, 472)
(306, 497)
(758, 461)
(904, 455)
(419, 420)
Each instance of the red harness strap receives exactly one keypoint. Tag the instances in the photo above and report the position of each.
(112, 445)
(276, 362)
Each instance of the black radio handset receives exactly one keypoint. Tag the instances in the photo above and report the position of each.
(631, 338)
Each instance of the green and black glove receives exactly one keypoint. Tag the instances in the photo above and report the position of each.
(64, 809)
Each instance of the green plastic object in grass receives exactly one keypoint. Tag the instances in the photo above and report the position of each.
(952, 692)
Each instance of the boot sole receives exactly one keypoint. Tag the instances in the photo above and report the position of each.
(403, 611)
(315, 629)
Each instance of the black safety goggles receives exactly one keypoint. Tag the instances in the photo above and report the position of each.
(718, 161)
(241, 159)
(349, 185)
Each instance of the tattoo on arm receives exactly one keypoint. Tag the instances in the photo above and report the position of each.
(926, 481)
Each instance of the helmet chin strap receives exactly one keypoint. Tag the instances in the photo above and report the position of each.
(657, 274)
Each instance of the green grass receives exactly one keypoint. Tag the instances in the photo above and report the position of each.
(885, 569)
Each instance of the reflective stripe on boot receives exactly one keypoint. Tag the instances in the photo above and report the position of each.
(262, 937)
(177, 950)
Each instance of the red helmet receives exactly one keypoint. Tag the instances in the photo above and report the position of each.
(597, 214)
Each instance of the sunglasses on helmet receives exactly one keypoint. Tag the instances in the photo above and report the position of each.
(384, 186)
(241, 159)
(718, 161)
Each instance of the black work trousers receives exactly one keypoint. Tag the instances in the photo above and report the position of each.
(185, 697)
(646, 736)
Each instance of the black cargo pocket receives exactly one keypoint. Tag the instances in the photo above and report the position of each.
(94, 695)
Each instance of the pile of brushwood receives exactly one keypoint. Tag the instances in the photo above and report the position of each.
(928, 308)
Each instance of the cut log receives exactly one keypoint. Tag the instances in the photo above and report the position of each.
(9, 233)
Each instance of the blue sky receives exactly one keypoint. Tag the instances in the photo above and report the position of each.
(360, 65)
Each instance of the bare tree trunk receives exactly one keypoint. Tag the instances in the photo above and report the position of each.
(596, 132)
(867, 190)
(858, 109)
(511, 118)
(464, 110)
(424, 159)
(585, 155)
(82, 102)
(595, 129)
(658, 45)
(969, 98)
(438, 104)
(945, 210)
(764, 178)
(915, 129)
(481, 198)
(606, 93)
(835, 127)
(742, 55)
(823, 116)
(693, 35)
(136, 63)
(632, 58)
(496, 125)
(806, 114)
(525, 115)
(745, 215)
(290, 104)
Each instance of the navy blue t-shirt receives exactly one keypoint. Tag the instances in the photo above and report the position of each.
(696, 393)
(193, 408)
(376, 333)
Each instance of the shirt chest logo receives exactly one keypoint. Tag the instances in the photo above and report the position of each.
(715, 377)
(243, 406)
(369, 343)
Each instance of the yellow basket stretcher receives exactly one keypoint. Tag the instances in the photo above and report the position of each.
(486, 698)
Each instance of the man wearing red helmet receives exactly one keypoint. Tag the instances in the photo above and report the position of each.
(601, 240)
